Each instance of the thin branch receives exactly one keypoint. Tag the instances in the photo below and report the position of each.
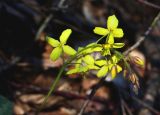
(61, 4)
(122, 107)
(7, 66)
(146, 105)
(68, 95)
(127, 108)
(149, 4)
(90, 96)
(64, 94)
(74, 28)
(142, 38)
(43, 26)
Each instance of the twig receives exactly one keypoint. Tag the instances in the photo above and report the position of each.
(149, 4)
(61, 4)
(33, 5)
(122, 103)
(122, 107)
(74, 28)
(43, 26)
(90, 96)
(126, 107)
(146, 105)
(64, 94)
(142, 103)
(48, 18)
(68, 95)
(142, 38)
(10, 64)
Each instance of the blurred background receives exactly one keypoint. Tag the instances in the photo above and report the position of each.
(26, 72)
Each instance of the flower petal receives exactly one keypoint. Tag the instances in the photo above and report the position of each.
(115, 69)
(106, 52)
(91, 67)
(110, 65)
(114, 59)
(56, 53)
(118, 33)
(83, 69)
(118, 45)
(78, 62)
(52, 41)
(65, 35)
(97, 49)
(88, 59)
(110, 39)
(112, 22)
(100, 62)
(119, 68)
(73, 71)
(69, 50)
(100, 31)
(113, 72)
(103, 71)
(138, 61)
(80, 48)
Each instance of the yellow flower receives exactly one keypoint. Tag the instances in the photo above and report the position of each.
(111, 30)
(83, 65)
(108, 46)
(59, 46)
(109, 66)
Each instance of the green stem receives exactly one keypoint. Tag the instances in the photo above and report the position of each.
(60, 73)
(100, 39)
(127, 65)
(53, 85)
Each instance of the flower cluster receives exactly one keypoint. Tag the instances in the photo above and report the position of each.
(84, 61)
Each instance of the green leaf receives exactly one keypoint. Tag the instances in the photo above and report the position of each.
(56, 53)
(103, 71)
(65, 35)
(69, 50)
(6, 107)
(118, 45)
(52, 41)
(88, 59)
